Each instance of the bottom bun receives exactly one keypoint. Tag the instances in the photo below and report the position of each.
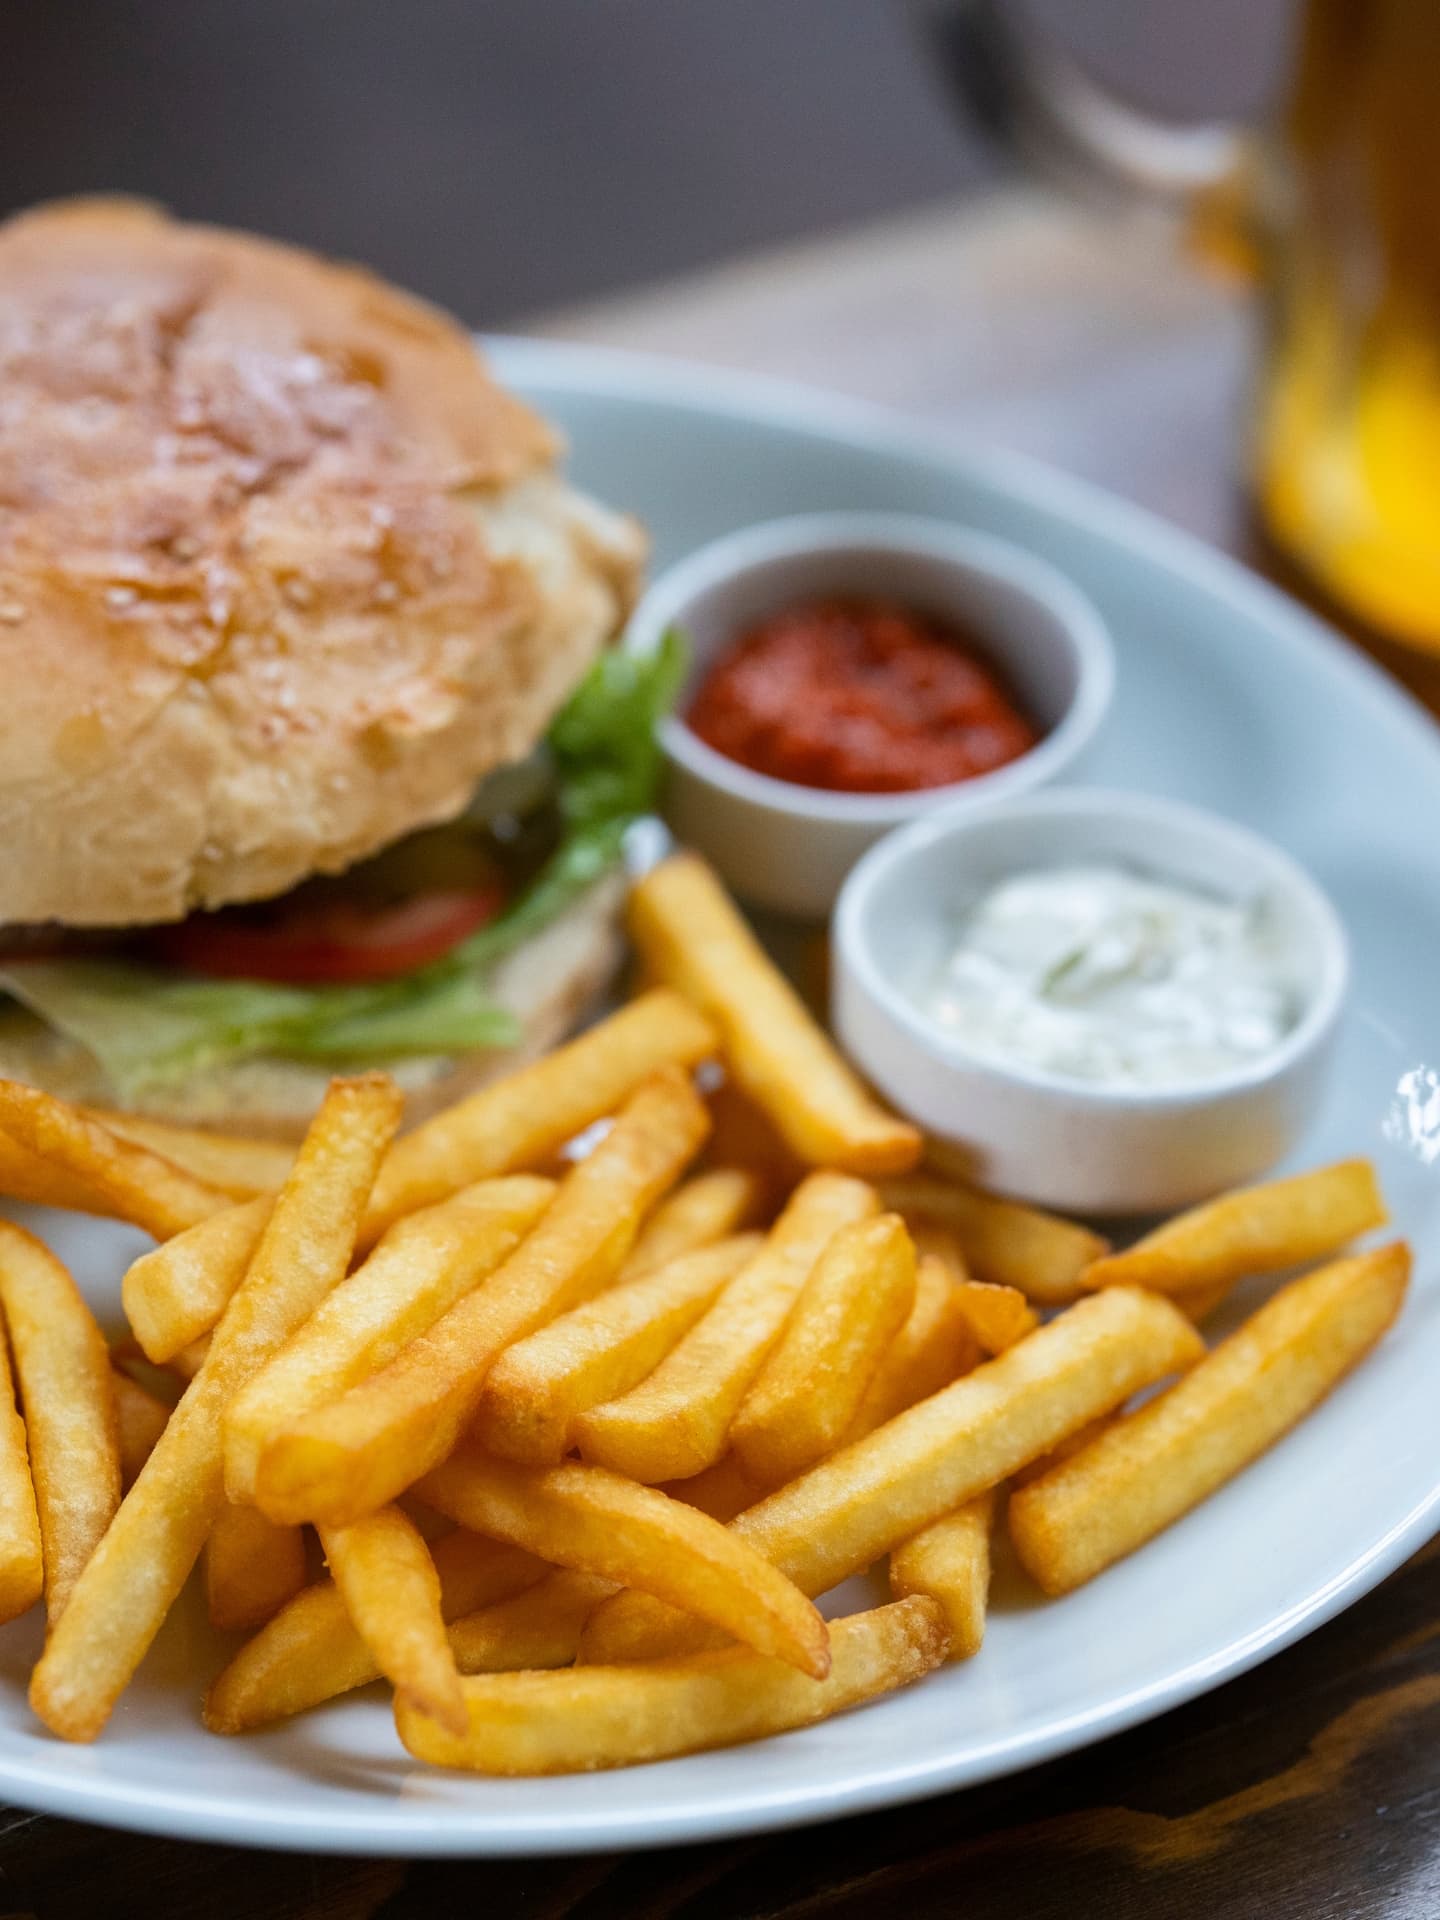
(549, 985)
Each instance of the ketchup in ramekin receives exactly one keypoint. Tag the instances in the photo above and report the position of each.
(859, 696)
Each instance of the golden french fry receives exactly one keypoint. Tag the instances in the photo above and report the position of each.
(176, 1292)
(746, 1137)
(801, 1403)
(845, 1513)
(22, 1561)
(140, 1418)
(188, 1362)
(1063, 1449)
(708, 1207)
(353, 1455)
(722, 1491)
(997, 1316)
(238, 1166)
(594, 1521)
(391, 1591)
(690, 933)
(421, 1267)
(116, 1607)
(1198, 1303)
(949, 1562)
(1264, 1229)
(1002, 1241)
(44, 1183)
(68, 1395)
(538, 1388)
(591, 1717)
(252, 1568)
(522, 1121)
(675, 1423)
(134, 1183)
(516, 1122)
(1151, 1466)
(934, 1347)
(940, 1244)
(311, 1651)
(538, 1628)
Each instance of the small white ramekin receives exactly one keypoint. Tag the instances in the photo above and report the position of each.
(789, 847)
(1038, 1136)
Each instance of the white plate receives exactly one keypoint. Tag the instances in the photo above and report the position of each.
(1229, 696)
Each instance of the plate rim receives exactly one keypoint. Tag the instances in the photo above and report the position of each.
(380, 1828)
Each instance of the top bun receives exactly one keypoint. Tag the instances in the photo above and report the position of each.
(283, 571)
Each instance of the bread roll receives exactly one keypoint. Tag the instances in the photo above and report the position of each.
(283, 572)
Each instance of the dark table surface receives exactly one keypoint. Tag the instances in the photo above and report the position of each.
(1307, 1790)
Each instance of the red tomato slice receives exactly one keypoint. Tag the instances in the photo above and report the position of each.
(340, 941)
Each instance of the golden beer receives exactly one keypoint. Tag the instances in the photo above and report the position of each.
(1346, 454)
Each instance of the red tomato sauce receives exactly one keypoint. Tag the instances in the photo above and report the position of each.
(859, 696)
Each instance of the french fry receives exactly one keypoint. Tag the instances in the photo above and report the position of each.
(355, 1454)
(1002, 1241)
(845, 1513)
(1150, 1467)
(311, 1652)
(1198, 1303)
(140, 1418)
(949, 1562)
(746, 1137)
(537, 1389)
(43, 1183)
(591, 1717)
(722, 1491)
(188, 1362)
(800, 1404)
(690, 934)
(238, 1166)
(934, 1347)
(134, 1183)
(177, 1291)
(252, 1568)
(997, 1316)
(522, 1121)
(675, 1423)
(22, 1561)
(120, 1600)
(940, 1244)
(1063, 1449)
(535, 1629)
(1264, 1229)
(708, 1207)
(391, 1591)
(596, 1522)
(423, 1265)
(68, 1396)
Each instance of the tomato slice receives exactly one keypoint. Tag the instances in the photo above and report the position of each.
(337, 941)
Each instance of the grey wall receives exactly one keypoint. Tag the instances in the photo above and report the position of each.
(505, 154)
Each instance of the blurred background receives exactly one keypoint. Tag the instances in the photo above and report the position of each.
(897, 198)
(505, 156)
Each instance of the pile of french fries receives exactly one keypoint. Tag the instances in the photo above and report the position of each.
(580, 1436)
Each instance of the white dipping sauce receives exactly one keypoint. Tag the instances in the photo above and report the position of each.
(1100, 973)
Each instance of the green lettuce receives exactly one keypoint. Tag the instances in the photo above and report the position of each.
(148, 1027)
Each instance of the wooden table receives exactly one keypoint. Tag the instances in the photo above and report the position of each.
(1309, 1790)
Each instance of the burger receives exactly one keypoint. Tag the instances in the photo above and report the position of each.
(315, 750)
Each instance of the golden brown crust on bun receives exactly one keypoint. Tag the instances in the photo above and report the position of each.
(283, 571)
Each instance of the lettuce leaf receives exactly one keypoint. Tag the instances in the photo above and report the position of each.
(148, 1026)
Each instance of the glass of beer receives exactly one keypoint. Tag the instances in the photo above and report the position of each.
(1346, 453)
(1337, 196)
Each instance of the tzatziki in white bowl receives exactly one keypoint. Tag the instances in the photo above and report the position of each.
(1113, 1003)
